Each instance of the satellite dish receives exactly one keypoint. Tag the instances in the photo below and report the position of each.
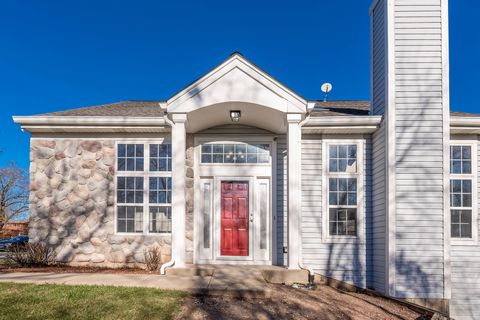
(326, 88)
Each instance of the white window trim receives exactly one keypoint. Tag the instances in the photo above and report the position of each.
(474, 177)
(146, 174)
(247, 141)
(360, 175)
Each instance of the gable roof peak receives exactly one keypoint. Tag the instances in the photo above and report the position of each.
(237, 53)
(240, 72)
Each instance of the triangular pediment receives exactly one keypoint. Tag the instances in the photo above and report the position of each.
(236, 80)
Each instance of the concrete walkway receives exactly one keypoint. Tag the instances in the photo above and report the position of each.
(232, 281)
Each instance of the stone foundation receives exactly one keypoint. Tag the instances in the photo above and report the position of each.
(72, 205)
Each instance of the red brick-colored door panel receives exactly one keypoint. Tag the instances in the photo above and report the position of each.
(234, 219)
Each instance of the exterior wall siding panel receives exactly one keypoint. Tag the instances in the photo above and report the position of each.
(415, 275)
(341, 261)
(378, 220)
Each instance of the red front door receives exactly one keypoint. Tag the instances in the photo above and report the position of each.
(234, 219)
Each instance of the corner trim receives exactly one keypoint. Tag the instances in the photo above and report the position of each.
(447, 268)
(391, 148)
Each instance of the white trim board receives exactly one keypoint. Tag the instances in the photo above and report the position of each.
(391, 149)
(447, 273)
(215, 173)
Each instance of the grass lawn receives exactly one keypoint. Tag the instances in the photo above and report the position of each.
(30, 301)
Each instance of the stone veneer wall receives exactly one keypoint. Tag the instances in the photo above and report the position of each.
(72, 205)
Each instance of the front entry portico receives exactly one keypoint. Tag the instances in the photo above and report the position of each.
(236, 228)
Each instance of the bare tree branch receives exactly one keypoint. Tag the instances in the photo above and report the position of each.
(13, 193)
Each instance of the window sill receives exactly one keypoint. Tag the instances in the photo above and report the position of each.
(210, 164)
(463, 242)
(143, 234)
(344, 240)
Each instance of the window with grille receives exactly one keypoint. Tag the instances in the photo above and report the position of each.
(342, 175)
(238, 153)
(461, 192)
(144, 192)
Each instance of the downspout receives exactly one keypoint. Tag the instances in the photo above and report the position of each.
(311, 273)
(166, 265)
(170, 263)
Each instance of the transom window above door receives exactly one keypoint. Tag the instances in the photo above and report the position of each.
(235, 153)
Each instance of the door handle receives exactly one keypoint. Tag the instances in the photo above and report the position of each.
(251, 217)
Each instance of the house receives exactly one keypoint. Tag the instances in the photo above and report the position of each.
(239, 169)
(14, 228)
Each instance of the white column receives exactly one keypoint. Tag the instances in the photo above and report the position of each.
(178, 189)
(294, 189)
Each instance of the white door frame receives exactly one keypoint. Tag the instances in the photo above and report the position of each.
(215, 174)
(217, 196)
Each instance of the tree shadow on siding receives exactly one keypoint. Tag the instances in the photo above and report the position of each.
(343, 260)
(417, 275)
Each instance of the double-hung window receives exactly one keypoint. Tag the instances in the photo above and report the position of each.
(144, 188)
(343, 185)
(462, 192)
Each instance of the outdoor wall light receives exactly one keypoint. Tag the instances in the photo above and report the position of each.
(235, 115)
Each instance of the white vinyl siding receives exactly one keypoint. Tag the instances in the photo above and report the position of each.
(342, 260)
(419, 236)
(379, 59)
(379, 212)
(377, 224)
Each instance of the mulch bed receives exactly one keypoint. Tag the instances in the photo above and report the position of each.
(323, 303)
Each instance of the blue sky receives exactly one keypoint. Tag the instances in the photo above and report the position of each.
(63, 54)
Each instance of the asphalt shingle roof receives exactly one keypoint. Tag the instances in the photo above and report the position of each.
(341, 107)
(118, 109)
(152, 109)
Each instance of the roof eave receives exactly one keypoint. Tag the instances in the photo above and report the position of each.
(91, 124)
(342, 124)
(464, 125)
(346, 120)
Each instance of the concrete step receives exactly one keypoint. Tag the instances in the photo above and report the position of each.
(279, 276)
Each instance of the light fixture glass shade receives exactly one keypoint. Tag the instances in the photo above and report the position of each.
(235, 115)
